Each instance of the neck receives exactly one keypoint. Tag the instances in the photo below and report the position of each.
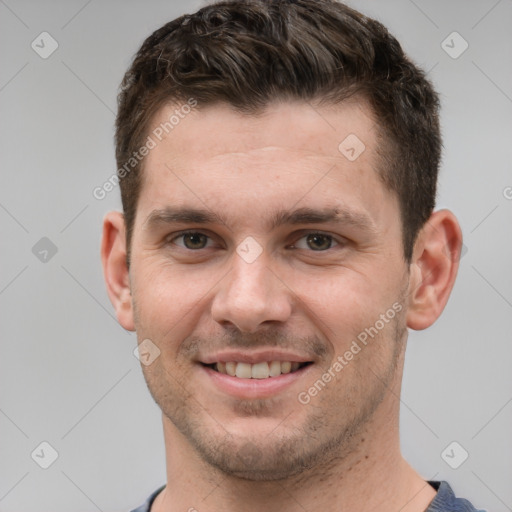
(372, 476)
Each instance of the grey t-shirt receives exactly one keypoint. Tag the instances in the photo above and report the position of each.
(444, 500)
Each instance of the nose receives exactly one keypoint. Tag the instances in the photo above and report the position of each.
(251, 295)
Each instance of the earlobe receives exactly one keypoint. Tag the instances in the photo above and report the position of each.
(115, 271)
(433, 269)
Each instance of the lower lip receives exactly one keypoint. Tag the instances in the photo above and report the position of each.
(255, 388)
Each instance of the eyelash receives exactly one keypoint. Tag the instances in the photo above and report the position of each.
(191, 232)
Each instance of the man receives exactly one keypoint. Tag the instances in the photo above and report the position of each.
(278, 164)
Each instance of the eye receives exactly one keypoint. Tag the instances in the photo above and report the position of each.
(316, 241)
(192, 240)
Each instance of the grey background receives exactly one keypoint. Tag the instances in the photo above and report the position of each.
(68, 375)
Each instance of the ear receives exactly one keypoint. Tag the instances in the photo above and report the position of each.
(115, 270)
(433, 269)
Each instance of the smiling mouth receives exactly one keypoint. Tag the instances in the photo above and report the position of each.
(263, 370)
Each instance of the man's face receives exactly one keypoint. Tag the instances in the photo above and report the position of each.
(260, 289)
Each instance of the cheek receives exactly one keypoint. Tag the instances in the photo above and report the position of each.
(168, 298)
(348, 310)
(347, 302)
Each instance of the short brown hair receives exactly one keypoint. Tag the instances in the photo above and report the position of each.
(250, 52)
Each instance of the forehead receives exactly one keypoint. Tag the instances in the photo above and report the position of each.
(292, 151)
(207, 131)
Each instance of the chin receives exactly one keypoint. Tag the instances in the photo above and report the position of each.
(261, 463)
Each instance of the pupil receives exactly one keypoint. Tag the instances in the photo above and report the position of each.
(315, 238)
(192, 237)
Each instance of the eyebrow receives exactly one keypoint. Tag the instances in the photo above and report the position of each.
(190, 215)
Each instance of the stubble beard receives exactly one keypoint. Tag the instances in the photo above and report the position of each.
(327, 434)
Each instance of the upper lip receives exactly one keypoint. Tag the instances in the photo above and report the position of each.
(254, 357)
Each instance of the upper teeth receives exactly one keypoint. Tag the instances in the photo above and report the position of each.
(256, 371)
